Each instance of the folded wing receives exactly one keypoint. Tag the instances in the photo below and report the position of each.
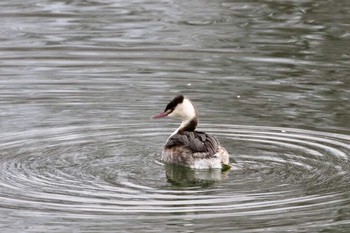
(197, 142)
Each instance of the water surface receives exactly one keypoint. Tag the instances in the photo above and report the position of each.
(79, 81)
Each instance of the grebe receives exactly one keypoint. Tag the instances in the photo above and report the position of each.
(188, 147)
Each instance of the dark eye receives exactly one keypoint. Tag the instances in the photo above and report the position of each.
(169, 110)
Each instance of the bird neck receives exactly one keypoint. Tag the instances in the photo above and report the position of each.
(186, 125)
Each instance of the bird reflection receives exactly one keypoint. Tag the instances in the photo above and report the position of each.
(182, 176)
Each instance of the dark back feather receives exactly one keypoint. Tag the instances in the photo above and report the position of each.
(195, 141)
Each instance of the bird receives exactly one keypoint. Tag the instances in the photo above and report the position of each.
(188, 147)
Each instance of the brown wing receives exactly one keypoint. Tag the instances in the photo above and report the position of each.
(195, 141)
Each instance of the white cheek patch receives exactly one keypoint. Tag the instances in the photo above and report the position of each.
(177, 111)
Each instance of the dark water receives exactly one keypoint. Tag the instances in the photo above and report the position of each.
(79, 81)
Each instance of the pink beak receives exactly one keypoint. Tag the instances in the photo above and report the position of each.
(160, 115)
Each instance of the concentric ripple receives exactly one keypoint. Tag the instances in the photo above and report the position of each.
(96, 175)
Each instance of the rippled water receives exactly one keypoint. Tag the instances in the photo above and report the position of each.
(79, 81)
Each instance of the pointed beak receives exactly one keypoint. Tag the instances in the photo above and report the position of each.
(160, 115)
